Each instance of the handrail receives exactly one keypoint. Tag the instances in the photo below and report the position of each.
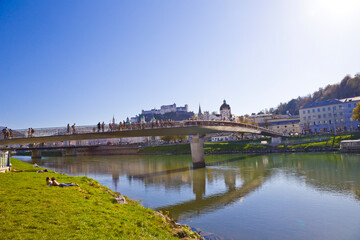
(58, 131)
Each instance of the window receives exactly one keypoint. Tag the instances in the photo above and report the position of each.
(313, 110)
(328, 108)
(325, 122)
(318, 109)
(340, 107)
(304, 118)
(303, 112)
(334, 107)
(319, 116)
(329, 121)
(324, 115)
(329, 114)
(308, 111)
(335, 115)
(349, 105)
(319, 122)
(342, 120)
(341, 114)
(323, 109)
(309, 117)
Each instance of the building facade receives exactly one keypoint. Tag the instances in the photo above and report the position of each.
(286, 126)
(225, 112)
(329, 116)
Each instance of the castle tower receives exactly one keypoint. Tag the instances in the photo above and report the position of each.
(225, 112)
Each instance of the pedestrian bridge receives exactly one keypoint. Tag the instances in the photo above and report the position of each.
(197, 129)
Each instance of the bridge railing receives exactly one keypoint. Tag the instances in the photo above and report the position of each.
(55, 131)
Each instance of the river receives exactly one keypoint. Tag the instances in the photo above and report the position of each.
(275, 196)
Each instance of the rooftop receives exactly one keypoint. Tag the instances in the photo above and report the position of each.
(353, 99)
(322, 103)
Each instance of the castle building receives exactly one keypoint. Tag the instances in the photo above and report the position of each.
(166, 109)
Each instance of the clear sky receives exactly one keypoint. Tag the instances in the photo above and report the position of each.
(83, 61)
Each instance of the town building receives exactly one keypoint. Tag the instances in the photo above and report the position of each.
(211, 116)
(286, 126)
(329, 116)
(260, 119)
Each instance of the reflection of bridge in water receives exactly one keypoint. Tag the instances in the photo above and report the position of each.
(196, 129)
(251, 178)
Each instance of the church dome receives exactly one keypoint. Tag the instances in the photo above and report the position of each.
(225, 106)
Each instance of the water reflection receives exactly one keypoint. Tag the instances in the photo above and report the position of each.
(292, 180)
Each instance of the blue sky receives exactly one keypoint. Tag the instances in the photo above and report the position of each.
(83, 61)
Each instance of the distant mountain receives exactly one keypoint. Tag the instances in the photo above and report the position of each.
(348, 87)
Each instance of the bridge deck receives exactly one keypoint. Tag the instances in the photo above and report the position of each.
(183, 128)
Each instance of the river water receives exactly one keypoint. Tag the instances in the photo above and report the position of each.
(275, 196)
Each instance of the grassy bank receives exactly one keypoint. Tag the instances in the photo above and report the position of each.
(30, 209)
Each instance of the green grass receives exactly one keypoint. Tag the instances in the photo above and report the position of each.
(30, 209)
(333, 142)
(208, 148)
(231, 147)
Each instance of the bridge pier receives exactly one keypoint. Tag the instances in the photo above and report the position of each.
(197, 151)
(276, 140)
(35, 153)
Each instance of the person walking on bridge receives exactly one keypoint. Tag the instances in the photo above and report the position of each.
(4, 131)
(103, 126)
(73, 128)
(68, 128)
(99, 126)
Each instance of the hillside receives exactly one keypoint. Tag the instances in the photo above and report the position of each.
(348, 87)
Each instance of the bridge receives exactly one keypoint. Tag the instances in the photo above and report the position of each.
(197, 129)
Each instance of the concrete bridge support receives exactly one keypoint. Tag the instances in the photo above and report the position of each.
(36, 153)
(197, 151)
(276, 140)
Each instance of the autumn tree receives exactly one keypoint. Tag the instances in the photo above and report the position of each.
(356, 113)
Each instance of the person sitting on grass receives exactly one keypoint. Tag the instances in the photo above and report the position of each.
(55, 183)
(48, 181)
